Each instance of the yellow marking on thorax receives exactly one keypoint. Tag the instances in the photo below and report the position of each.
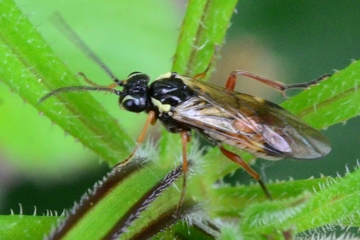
(165, 75)
(160, 106)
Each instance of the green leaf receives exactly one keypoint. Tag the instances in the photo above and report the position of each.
(306, 204)
(332, 101)
(335, 203)
(203, 31)
(31, 69)
(127, 202)
(78, 115)
(26, 227)
(27, 57)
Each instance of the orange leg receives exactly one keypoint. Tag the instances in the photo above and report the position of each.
(212, 61)
(150, 120)
(203, 74)
(113, 85)
(231, 81)
(185, 138)
(237, 159)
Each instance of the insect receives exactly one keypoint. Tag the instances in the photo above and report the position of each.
(220, 114)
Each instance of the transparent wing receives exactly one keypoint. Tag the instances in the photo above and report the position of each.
(250, 123)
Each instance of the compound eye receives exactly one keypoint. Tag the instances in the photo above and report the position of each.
(133, 104)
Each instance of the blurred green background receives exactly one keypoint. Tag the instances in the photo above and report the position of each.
(284, 40)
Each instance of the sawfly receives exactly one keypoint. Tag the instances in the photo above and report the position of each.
(220, 114)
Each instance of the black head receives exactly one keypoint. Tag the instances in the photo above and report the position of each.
(134, 96)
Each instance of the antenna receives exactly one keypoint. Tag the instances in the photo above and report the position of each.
(61, 24)
(78, 88)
